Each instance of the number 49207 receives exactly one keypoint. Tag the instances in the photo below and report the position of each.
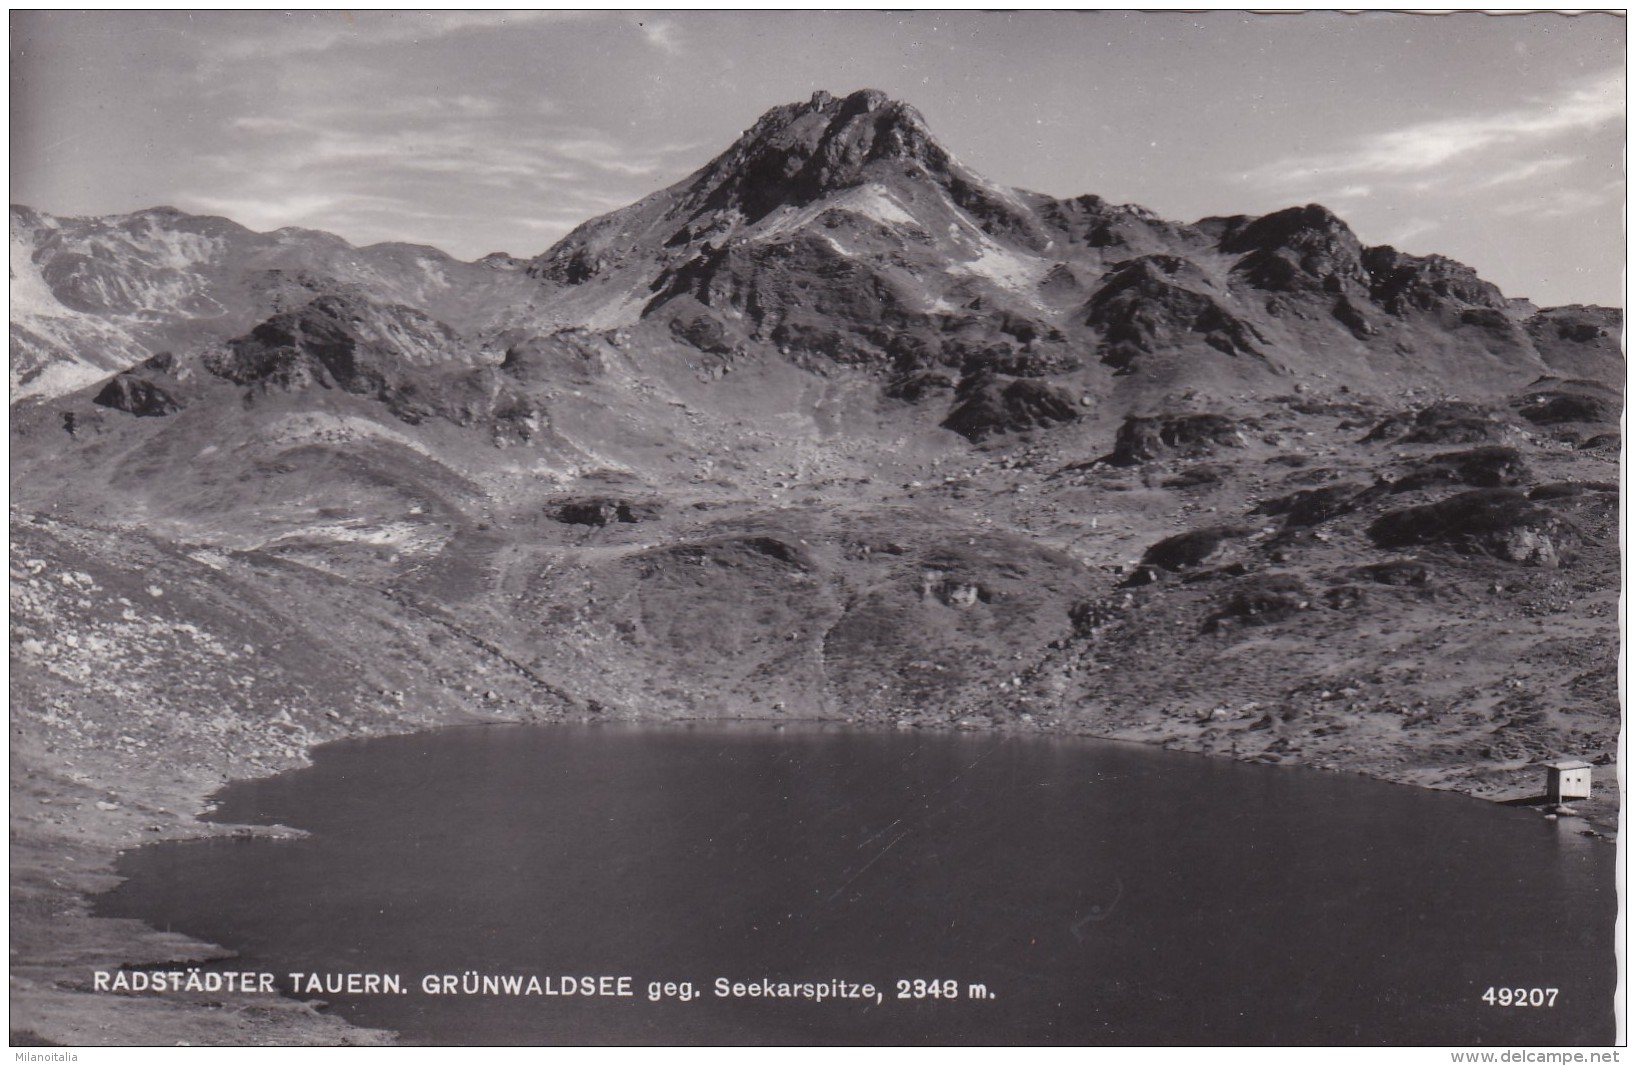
(1520, 997)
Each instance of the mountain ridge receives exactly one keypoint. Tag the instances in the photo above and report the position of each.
(854, 188)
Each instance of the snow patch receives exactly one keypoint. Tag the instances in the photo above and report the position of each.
(29, 292)
(873, 201)
(58, 379)
(57, 348)
(1009, 269)
(835, 244)
(389, 534)
(178, 250)
(339, 429)
(1003, 267)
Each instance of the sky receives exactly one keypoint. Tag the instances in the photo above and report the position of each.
(1497, 140)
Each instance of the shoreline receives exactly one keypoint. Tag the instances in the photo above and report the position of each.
(58, 940)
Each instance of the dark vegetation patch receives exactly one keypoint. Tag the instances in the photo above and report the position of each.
(1344, 597)
(1403, 283)
(1560, 490)
(388, 353)
(1145, 438)
(602, 511)
(1317, 405)
(1448, 422)
(137, 396)
(1154, 302)
(1139, 576)
(1588, 402)
(990, 405)
(704, 332)
(953, 591)
(1090, 617)
(1491, 467)
(1216, 573)
(1499, 522)
(1579, 341)
(1192, 548)
(1578, 325)
(916, 385)
(1311, 507)
(777, 549)
(731, 553)
(1260, 599)
(539, 358)
(1403, 572)
(866, 549)
(1197, 476)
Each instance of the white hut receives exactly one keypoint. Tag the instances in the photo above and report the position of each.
(1567, 779)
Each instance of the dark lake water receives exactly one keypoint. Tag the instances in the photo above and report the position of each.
(1100, 893)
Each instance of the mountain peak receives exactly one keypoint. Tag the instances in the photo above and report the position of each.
(860, 100)
(1308, 248)
(796, 153)
(1291, 227)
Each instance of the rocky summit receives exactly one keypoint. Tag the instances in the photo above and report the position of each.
(833, 428)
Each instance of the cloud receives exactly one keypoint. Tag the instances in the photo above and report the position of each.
(1538, 168)
(267, 125)
(447, 170)
(475, 139)
(278, 36)
(1430, 146)
(1562, 203)
(554, 225)
(276, 211)
(662, 34)
(1408, 229)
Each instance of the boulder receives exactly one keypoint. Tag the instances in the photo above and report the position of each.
(1192, 548)
(1501, 523)
(137, 396)
(993, 404)
(602, 511)
(1447, 422)
(1260, 599)
(1141, 439)
(1490, 467)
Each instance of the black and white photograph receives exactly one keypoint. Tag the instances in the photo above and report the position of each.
(817, 528)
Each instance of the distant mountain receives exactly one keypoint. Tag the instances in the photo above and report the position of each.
(95, 295)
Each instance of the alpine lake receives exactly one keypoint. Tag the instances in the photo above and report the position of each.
(758, 884)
